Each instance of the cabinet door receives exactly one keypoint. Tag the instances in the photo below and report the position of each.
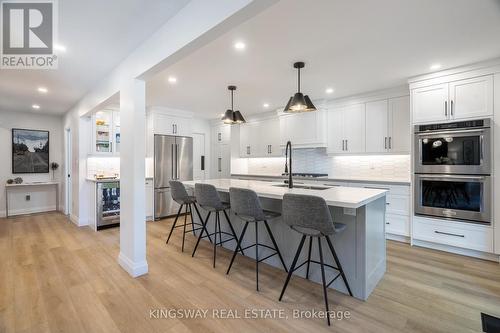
(245, 149)
(335, 137)
(116, 132)
(225, 155)
(182, 126)
(376, 127)
(399, 125)
(430, 103)
(471, 97)
(353, 127)
(221, 134)
(163, 124)
(269, 133)
(300, 129)
(103, 132)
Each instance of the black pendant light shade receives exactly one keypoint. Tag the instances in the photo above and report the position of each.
(230, 116)
(299, 102)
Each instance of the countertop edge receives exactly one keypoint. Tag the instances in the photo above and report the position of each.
(319, 179)
(93, 180)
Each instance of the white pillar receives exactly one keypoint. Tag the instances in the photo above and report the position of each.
(132, 256)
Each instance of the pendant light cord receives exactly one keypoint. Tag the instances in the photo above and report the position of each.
(298, 81)
(232, 105)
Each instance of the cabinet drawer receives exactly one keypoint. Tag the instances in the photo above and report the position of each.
(459, 234)
(398, 204)
(397, 224)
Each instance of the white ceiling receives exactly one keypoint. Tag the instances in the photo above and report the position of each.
(98, 35)
(352, 46)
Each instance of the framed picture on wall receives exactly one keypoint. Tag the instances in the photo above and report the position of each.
(30, 151)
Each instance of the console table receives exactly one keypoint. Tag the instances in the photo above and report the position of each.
(11, 186)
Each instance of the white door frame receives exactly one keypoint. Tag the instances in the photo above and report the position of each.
(68, 172)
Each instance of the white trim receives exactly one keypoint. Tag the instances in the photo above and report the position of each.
(371, 96)
(397, 238)
(169, 111)
(25, 211)
(134, 269)
(457, 250)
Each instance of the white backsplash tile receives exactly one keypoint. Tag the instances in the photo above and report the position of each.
(107, 166)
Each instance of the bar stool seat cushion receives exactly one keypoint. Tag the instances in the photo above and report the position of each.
(179, 193)
(265, 216)
(220, 207)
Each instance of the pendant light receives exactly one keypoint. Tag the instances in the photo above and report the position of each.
(230, 116)
(299, 102)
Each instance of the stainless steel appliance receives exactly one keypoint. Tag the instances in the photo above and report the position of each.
(108, 204)
(458, 148)
(173, 160)
(453, 170)
(463, 197)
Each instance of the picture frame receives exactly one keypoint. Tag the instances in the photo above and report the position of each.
(30, 151)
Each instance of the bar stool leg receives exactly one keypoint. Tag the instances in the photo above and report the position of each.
(323, 279)
(290, 271)
(201, 234)
(175, 222)
(215, 235)
(275, 245)
(203, 225)
(192, 219)
(232, 230)
(337, 262)
(184, 229)
(309, 257)
(237, 247)
(257, 254)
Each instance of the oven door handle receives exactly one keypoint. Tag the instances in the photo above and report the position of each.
(464, 132)
(452, 177)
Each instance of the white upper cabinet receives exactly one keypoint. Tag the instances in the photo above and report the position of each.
(269, 137)
(171, 125)
(346, 130)
(430, 103)
(472, 97)
(399, 125)
(456, 100)
(222, 161)
(377, 115)
(304, 130)
(250, 140)
(106, 132)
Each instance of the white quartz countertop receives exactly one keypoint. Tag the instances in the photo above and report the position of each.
(33, 184)
(109, 180)
(375, 180)
(339, 196)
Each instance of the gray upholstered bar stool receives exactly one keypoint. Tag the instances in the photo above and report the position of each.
(208, 198)
(310, 216)
(246, 205)
(180, 195)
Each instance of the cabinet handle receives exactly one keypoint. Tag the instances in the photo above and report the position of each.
(385, 143)
(220, 164)
(448, 234)
(219, 136)
(343, 149)
(387, 222)
(248, 150)
(346, 146)
(451, 108)
(446, 108)
(390, 142)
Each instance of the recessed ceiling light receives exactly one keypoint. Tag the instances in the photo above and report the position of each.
(329, 90)
(239, 45)
(172, 79)
(266, 105)
(35, 106)
(60, 48)
(42, 90)
(435, 67)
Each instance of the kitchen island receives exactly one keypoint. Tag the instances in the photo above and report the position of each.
(360, 247)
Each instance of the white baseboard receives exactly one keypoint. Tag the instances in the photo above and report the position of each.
(457, 250)
(398, 238)
(134, 269)
(24, 211)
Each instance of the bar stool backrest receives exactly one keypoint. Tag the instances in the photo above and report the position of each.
(178, 191)
(307, 214)
(246, 204)
(207, 196)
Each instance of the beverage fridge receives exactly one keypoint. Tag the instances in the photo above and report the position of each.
(173, 160)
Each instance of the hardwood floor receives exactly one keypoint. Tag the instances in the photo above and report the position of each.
(56, 277)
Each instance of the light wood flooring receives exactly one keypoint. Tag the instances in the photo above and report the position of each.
(56, 277)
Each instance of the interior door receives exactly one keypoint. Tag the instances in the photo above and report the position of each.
(377, 139)
(163, 160)
(184, 158)
(199, 157)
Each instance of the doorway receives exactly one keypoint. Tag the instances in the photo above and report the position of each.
(68, 168)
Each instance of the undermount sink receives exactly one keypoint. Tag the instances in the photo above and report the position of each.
(305, 187)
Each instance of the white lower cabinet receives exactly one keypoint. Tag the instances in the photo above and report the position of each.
(459, 234)
(397, 224)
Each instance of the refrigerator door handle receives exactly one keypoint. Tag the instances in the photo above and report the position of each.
(172, 160)
(177, 165)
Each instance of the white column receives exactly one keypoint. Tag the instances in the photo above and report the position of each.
(132, 256)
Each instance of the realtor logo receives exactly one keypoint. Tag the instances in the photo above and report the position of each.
(28, 33)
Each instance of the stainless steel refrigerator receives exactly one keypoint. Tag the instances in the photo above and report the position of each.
(173, 160)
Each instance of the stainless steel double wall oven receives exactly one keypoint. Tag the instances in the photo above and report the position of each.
(453, 170)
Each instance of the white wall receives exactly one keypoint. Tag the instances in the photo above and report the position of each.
(42, 198)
